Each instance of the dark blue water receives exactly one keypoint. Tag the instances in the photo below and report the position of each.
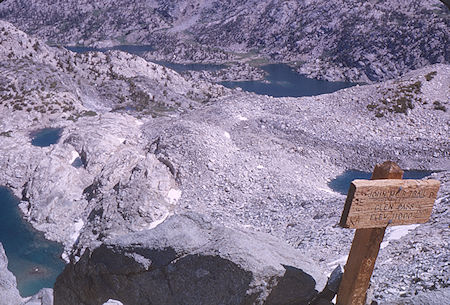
(133, 49)
(283, 81)
(341, 183)
(34, 260)
(190, 67)
(45, 137)
(77, 163)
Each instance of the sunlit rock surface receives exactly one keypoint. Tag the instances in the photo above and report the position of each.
(248, 161)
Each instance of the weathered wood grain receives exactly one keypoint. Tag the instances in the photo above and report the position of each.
(364, 250)
(379, 203)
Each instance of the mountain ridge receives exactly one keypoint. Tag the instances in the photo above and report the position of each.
(335, 40)
(248, 161)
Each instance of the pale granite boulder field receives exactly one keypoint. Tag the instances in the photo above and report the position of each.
(212, 195)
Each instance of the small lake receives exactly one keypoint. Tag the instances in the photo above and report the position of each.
(45, 137)
(283, 81)
(341, 183)
(34, 260)
(77, 163)
(132, 49)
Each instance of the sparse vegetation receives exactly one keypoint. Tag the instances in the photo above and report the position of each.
(36, 46)
(438, 106)
(88, 113)
(6, 133)
(411, 88)
(398, 100)
(430, 75)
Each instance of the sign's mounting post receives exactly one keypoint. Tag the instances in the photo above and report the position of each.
(370, 207)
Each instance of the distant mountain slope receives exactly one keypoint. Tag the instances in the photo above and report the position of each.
(353, 40)
(243, 159)
(42, 79)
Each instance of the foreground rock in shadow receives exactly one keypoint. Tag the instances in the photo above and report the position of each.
(189, 260)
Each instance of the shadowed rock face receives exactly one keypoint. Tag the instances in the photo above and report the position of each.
(189, 260)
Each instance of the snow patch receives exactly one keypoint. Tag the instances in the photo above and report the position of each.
(120, 140)
(112, 302)
(77, 226)
(326, 190)
(74, 156)
(155, 223)
(260, 167)
(65, 257)
(242, 118)
(227, 135)
(397, 232)
(340, 261)
(174, 195)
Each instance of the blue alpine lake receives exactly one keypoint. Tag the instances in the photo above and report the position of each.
(341, 183)
(45, 137)
(34, 260)
(283, 81)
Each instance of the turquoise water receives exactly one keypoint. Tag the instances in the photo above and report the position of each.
(283, 81)
(341, 183)
(45, 137)
(34, 260)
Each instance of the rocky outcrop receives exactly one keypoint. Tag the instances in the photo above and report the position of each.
(8, 286)
(188, 259)
(43, 297)
(354, 40)
(80, 93)
(246, 160)
(71, 85)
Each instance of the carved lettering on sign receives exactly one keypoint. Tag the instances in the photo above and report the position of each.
(379, 203)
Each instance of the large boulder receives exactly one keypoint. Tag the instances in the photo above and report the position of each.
(8, 285)
(190, 260)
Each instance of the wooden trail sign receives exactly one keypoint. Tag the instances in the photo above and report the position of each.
(371, 206)
(379, 203)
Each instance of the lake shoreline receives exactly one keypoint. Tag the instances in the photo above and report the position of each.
(34, 260)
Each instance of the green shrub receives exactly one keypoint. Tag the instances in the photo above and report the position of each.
(89, 113)
(439, 106)
(6, 133)
(430, 75)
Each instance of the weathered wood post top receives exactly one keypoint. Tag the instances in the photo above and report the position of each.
(371, 206)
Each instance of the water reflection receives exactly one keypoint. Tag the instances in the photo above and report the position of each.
(45, 137)
(34, 260)
(341, 183)
(283, 81)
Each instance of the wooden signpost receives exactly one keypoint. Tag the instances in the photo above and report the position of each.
(371, 206)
